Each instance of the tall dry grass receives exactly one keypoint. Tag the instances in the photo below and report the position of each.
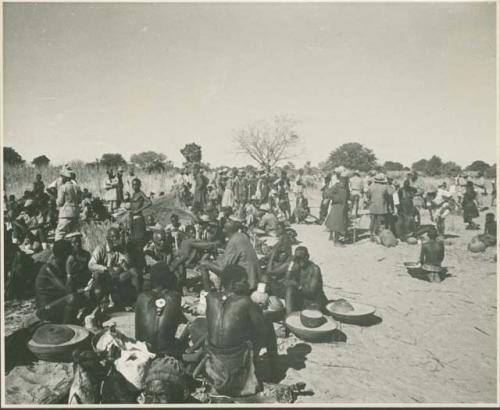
(18, 179)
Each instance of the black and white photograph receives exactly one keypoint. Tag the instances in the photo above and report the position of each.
(265, 204)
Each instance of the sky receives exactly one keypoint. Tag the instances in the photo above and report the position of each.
(406, 80)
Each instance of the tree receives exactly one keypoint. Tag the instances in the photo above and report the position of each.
(479, 166)
(420, 165)
(269, 142)
(451, 168)
(40, 161)
(11, 157)
(192, 153)
(352, 155)
(152, 162)
(434, 166)
(112, 160)
(393, 166)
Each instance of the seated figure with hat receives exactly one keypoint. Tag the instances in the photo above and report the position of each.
(57, 297)
(303, 283)
(237, 329)
(158, 312)
(111, 269)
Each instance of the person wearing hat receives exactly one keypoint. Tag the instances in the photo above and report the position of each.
(68, 201)
(111, 268)
(237, 329)
(378, 197)
(238, 251)
(158, 312)
(338, 219)
(304, 283)
(55, 299)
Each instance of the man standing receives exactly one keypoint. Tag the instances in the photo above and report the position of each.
(355, 191)
(239, 251)
(68, 202)
(338, 218)
(111, 195)
(119, 187)
(377, 196)
(237, 329)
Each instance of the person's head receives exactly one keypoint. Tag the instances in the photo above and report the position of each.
(127, 196)
(328, 179)
(120, 171)
(131, 172)
(110, 173)
(212, 231)
(151, 220)
(490, 217)
(234, 279)
(12, 197)
(151, 195)
(470, 186)
(38, 177)
(62, 250)
(406, 184)
(231, 227)
(76, 241)
(190, 231)
(432, 233)
(283, 174)
(162, 277)
(301, 256)
(174, 219)
(165, 382)
(113, 238)
(136, 184)
(390, 180)
(301, 171)
(159, 238)
(414, 176)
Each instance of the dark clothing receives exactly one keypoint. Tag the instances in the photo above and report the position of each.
(239, 251)
(469, 206)
(337, 220)
(77, 267)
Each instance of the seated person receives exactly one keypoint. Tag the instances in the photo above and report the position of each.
(432, 252)
(268, 220)
(302, 210)
(175, 229)
(237, 329)
(281, 255)
(77, 265)
(193, 250)
(158, 312)
(159, 249)
(56, 298)
(111, 270)
(238, 251)
(489, 237)
(251, 213)
(29, 227)
(304, 283)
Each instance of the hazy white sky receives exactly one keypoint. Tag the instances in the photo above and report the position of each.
(407, 80)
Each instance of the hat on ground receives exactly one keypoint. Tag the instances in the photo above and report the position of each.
(342, 309)
(28, 203)
(56, 343)
(310, 334)
(73, 235)
(380, 178)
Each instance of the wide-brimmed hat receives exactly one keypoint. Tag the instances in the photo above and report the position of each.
(380, 178)
(341, 309)
(310, 334)
(28, 203)
(56, 343)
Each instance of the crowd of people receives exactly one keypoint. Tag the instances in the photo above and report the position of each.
(239, 244)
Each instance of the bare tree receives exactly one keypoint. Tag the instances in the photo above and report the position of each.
(269, 142)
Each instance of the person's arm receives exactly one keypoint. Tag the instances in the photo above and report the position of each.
(60, 196)
(96, 262)
(441, 252)
(70, 266)
(422, 254)
(147, 204)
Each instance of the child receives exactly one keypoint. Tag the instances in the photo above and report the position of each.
(489, 237)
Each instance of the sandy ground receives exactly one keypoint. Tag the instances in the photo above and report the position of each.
(436, 342)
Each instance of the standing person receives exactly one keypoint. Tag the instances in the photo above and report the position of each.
(111, 195)
(325, 198)
(480, 185)
(228, 197)
(200, 189)
(252, 185)
(130, 178)
(493, 192)
(242, 196)
(282, 186)
(298, 187)
(338, 218)
(405, 225)
(138, 203)
(377, 199)
(470, 207)
(119, 187)
(355, 191)
(418, 199)
(68, 202)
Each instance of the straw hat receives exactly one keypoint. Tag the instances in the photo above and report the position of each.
(342, 309)
(56, 343)
(380, 178)
(310, 334)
